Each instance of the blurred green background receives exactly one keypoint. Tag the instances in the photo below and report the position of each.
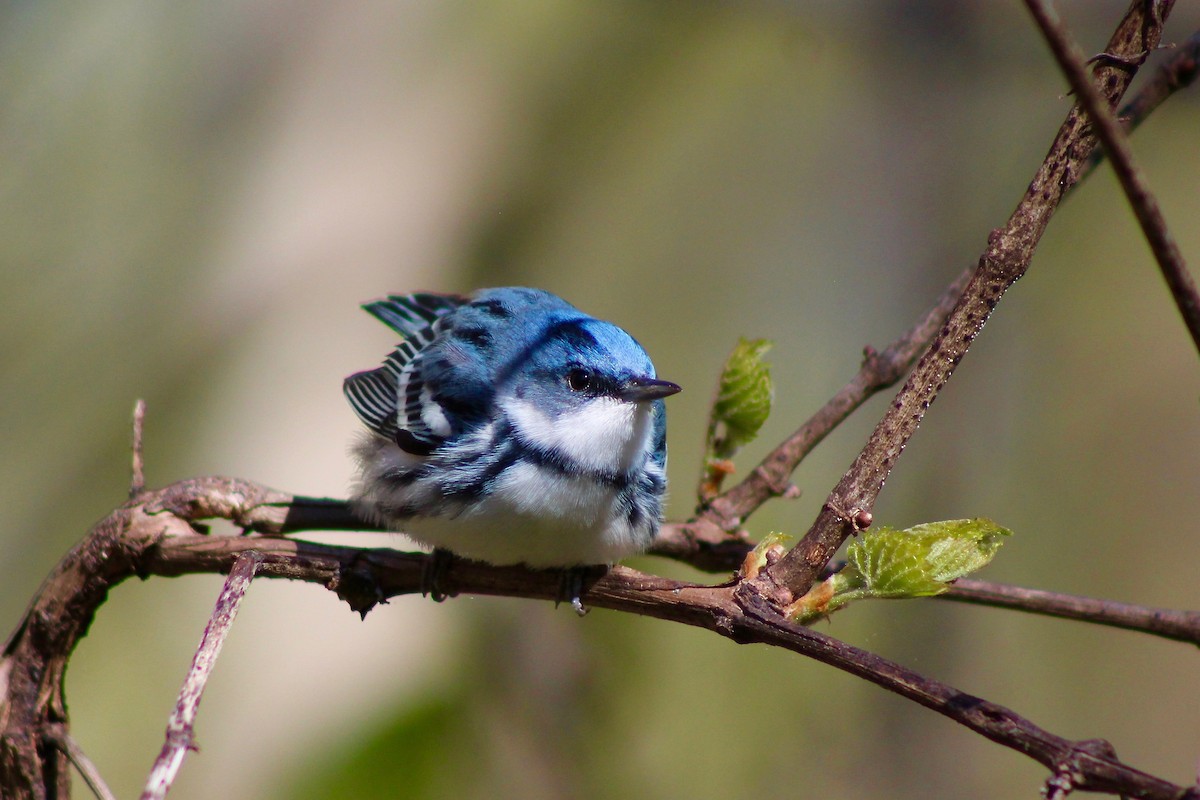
(197, 196)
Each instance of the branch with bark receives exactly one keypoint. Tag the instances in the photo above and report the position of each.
(155, 534)
(159, 532)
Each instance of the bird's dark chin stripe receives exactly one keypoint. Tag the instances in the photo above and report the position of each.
(552, 458)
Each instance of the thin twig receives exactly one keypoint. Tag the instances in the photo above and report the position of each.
(1183, 626)
(1006, 259)
(137, 481)
(180, 727)
(1116, 145)
(87, 770)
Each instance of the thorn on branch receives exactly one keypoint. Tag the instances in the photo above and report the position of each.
(1119, 61)
(859, 519)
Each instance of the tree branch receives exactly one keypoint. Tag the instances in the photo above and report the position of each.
(878, 371)
(1010, 249)
(714, 539)
(1116, 145)
(881, 370)
(1182, 626)
(156, 535)
(1177, 72)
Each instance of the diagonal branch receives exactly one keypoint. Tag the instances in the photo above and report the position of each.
(881, 370)
(878, 371)
(1116, 146)
(1177, 72)
(1010, 250)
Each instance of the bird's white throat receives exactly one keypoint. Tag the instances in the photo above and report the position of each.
(605, 434)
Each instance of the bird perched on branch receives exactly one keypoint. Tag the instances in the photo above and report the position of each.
(512, 428)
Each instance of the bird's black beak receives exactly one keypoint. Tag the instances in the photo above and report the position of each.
(638, 390)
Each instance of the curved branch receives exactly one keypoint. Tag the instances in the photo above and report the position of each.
(155, 534)
(879, 370)
(703, 546)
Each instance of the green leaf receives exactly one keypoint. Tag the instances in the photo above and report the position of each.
(917, 562)
(743, 401)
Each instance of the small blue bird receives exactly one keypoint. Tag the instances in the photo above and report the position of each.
(512, 428)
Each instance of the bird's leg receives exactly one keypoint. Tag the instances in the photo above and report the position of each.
(570, 587)
(433, 574)
(573, 583)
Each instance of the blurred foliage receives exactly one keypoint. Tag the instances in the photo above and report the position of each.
(405, 759)
(198, 196)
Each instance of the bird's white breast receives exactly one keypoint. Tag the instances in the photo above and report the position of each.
(539, 517)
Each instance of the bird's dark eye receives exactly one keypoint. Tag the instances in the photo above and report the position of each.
(580, 380)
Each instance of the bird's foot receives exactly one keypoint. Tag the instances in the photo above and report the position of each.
(574, 582)
(433, 575)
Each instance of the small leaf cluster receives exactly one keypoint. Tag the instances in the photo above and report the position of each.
(743, 401)
(916, 562)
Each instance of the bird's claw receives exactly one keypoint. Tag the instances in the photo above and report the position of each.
(433, 575)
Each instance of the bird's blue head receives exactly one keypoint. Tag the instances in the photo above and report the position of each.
(575, 358)
(581, 388)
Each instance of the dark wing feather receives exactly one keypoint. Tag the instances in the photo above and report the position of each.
(389, 399)
(412, 314)
(372, 395)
